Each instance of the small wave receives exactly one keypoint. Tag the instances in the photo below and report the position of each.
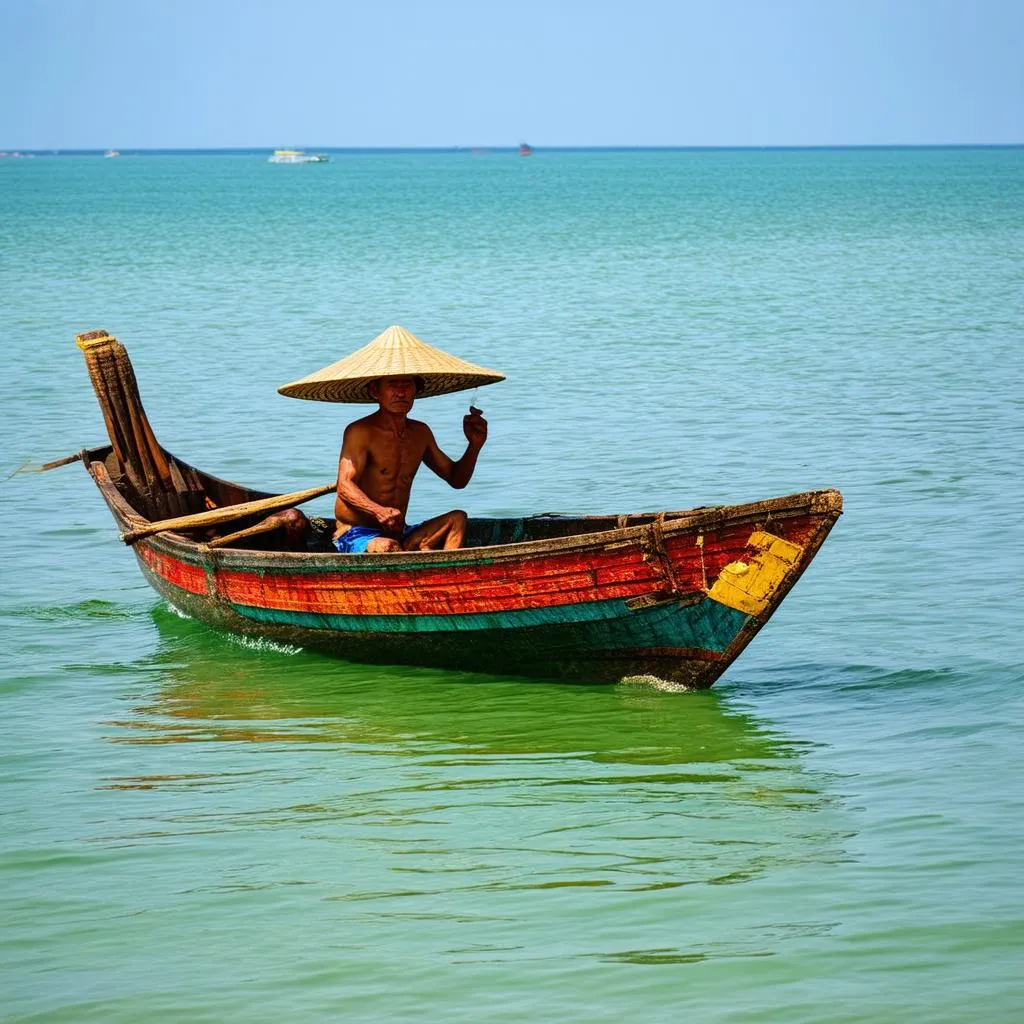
(262, 644)
(91, 609)
(251, 643)
(866, 676)
(656, 683)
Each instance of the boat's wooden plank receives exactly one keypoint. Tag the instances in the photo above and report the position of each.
(114, 468)
(123, 433)
(189, 577)
(570, 630)
(114, 431)
(136, 453)
(482, 587)
(130, 388)
(452, 595)
(524, 574)
(124, 514)
(537, 570)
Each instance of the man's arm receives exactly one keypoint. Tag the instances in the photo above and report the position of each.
(458, 474)
(355, 451)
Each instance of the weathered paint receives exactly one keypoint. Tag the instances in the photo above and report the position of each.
(363, 586)
(749, 586)
(623, 608)
(631, 601)
(705, 625)
(176, 571)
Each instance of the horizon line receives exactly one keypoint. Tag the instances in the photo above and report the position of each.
(89, 150)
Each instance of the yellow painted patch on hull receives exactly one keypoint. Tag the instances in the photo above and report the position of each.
(749, 586)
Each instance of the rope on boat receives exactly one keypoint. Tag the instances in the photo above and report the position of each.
(703, 567)
(658, 547)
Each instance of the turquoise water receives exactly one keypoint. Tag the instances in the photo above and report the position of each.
(195, 829)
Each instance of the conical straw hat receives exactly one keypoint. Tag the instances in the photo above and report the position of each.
(395, 353)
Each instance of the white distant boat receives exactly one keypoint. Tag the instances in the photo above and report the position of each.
(111, 152)
(296, 156)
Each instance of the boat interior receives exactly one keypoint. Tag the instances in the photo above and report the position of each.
(157, 486)
(154, 486)
(205, 492)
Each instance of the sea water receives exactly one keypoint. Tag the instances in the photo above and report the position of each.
(196, 829)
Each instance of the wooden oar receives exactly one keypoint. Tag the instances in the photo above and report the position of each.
(216, 516)
(32, 467)
(66, 461)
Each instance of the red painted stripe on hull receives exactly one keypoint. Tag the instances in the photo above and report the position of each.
(538, 582)
(543, 581)
(189, 577)
(455, 597)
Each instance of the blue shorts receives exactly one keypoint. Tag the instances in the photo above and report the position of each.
(356, 539)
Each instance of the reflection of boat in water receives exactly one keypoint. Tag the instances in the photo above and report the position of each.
(444, 786)
(672, 595)
(212, 686)
(525, 149)
(296, 156)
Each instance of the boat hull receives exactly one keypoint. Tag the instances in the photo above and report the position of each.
(629, 596)
(680, 642)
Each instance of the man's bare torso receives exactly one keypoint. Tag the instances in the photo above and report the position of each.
(380, 455)
(391, 460)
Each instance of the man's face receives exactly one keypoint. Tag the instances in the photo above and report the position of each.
(395, 394)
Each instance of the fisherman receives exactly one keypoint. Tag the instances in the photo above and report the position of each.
(381, 453)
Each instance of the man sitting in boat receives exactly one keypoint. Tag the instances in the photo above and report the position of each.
(381, 453)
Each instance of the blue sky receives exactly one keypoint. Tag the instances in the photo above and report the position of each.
(223, 73)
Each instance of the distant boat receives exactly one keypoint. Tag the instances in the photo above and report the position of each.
(296, 156)
(525, 149)
(112, 152)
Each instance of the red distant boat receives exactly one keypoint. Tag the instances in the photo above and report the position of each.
(525, 149)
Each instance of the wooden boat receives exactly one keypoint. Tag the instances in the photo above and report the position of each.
(673, 596)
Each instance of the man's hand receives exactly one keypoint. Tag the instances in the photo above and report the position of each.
(474, 426)
(392, 520)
